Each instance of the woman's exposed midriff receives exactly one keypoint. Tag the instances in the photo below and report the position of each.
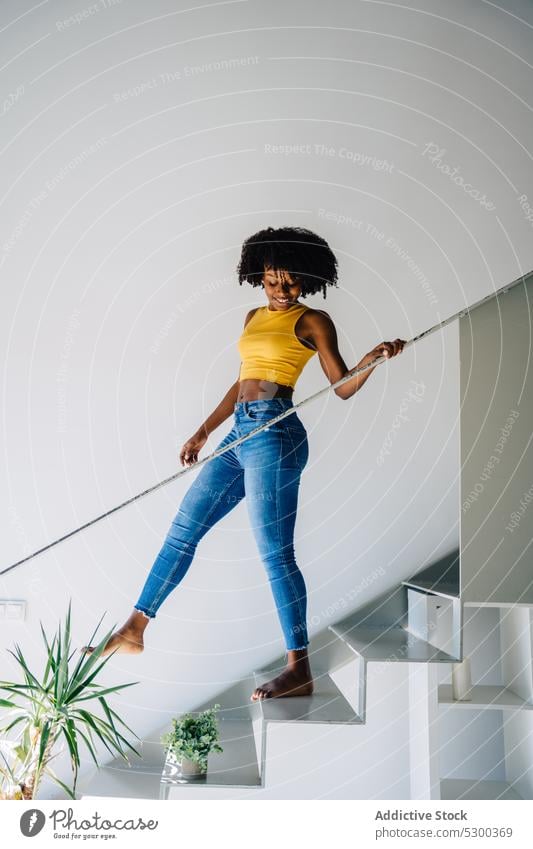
(253, 389)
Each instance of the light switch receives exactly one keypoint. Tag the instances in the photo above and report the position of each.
(12, 609)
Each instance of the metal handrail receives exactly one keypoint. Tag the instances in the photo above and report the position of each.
(219, 451)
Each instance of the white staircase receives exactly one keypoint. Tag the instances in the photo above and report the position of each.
(400, 650)
(253, 736)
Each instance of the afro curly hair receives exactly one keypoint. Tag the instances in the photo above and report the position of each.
(296, 250)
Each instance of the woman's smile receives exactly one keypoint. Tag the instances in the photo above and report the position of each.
(280, 281)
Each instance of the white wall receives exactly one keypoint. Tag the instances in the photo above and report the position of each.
(496, 457)
(122, 218)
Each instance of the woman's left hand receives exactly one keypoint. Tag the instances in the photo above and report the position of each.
(387, 349)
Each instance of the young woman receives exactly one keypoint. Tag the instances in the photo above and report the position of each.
(277, 341)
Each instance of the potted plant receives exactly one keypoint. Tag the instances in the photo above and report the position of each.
(192, 738)
(54, 706)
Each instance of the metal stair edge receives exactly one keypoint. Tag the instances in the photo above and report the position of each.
(431, 589)
(427, 653)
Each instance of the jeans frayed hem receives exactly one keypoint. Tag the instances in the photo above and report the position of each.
(148, 615)
(297, 648)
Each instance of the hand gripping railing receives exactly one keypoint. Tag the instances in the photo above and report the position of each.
(277, 418)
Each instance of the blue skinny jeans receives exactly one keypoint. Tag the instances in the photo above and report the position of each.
(267, 469)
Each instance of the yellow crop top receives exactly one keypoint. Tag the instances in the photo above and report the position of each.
(269, 348)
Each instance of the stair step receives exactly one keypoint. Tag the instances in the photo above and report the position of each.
(236, 766)
(113, 782)
(447, 589)
(151, 760)
(152, 777)
(388, 643)
(486, 697)
(325, 705)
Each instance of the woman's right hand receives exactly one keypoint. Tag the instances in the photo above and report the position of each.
(190, 449)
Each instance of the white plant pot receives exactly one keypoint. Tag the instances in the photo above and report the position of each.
(188, 770)
(191, 770)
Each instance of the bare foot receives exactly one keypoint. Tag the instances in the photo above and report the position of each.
(295, 680)
(128, 639)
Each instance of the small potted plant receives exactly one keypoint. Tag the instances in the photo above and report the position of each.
(192, 738)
